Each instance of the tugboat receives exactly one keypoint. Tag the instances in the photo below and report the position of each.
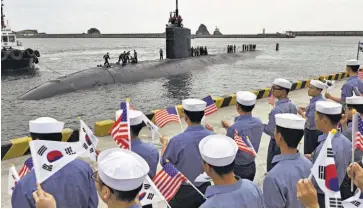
(13, 55)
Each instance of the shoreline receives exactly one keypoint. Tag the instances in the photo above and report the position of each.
(292, 34)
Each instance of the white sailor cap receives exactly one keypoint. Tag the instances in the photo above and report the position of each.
(283, 83)
(194, 105)
(352, 62)
(121, 169)
(290, 121)
(318, 84)
(246, 98)
(355, 100)
(218, 150)
(329, 108)
(135, 117)
(45, 125)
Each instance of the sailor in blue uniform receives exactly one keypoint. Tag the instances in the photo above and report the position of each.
(310, 132)
(279, 186)
(352, 85)
(146, 151)
(229, 191)
(182, 151)
(280, 90)
(245, 124)
(120, 177)
(71, 186)
(327, 116)
(355, 102)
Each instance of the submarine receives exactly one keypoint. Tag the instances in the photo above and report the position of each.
(179, 61)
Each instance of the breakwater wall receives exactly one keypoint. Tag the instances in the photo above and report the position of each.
(20, 146)
(150, 35)
(327, 33)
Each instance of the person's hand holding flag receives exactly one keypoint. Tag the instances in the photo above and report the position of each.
(355, 172)
(43, 199)
(307, 194)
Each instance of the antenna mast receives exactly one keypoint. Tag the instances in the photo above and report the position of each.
(176, 10)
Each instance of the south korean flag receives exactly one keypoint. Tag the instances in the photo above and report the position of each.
(149, 194)
(88, 141)
(325, 173)
(50, 156)
(151, 126)
(13, 178)
(354, 202)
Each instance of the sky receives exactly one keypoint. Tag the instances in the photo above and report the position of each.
(150, 16)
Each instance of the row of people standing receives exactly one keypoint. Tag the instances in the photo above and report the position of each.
(199, 51)
(248, 47)
(231, 49)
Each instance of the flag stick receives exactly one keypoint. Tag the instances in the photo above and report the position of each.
(354, 131)
(190, 183)
(128, 120)
(258, 159)
(181, 126)
(157, 190)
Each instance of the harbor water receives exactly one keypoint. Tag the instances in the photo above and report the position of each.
(299, 58)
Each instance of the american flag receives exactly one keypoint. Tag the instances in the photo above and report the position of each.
(120, 130)
(242, 145)
(168, 180)
(162, 117)
(359, 136)
(271, 98)
(360, 74)
(211, 107)
(27, 167)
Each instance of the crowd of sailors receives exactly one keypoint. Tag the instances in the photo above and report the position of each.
(231, 49)
(123, 58)
(248, 47)
(232, 169)
(175, 20)
(199, 51)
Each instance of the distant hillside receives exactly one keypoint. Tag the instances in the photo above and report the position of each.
(202, 30)
(27, 32)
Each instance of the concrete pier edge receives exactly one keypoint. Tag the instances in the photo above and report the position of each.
(20, 146)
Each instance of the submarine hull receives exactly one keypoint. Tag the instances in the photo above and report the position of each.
(99, 76)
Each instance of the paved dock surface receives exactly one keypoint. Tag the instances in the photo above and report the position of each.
(262, 109)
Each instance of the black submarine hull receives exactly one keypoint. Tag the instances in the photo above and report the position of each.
(99, 76)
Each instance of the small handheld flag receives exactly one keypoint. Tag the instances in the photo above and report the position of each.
(88, 141)
(271, 98)
(50, 156)
(325, 173)
(243, 144)
(12, 179)
(120, 130)
(27, 167)
(211, 106)
(162, 117)
(168, 180)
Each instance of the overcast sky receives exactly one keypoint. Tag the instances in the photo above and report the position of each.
(138, 16)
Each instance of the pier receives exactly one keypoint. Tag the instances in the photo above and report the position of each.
(262, 109)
